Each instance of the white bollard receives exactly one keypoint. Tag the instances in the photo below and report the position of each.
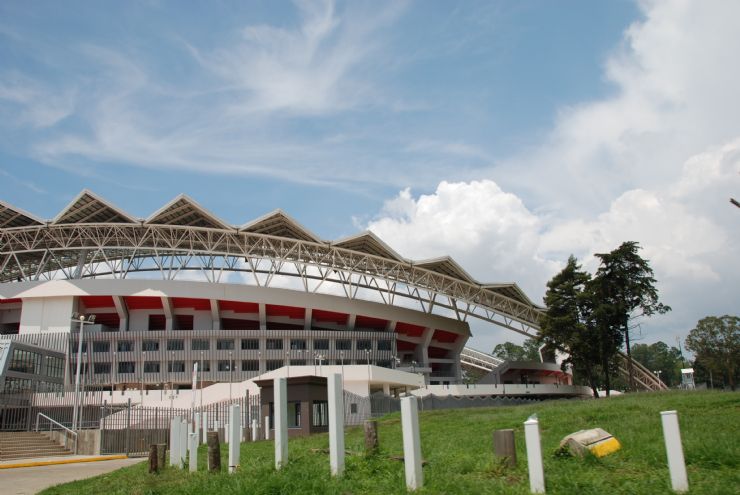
(227, 432)
(255, 430)
(411, 443)
(674, 450)
(183, 442)
(204, 435)
(193, 452)
(336, 423)
(281, 421)
(196, 426)
(234, 441)
(534, 455)
(175, 440)
(267, 427)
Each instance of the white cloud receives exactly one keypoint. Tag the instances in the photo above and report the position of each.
(654, 163)
(33, 104)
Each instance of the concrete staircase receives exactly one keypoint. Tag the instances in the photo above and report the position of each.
(28, 444)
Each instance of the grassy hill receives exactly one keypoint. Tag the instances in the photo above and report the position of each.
(457, 445)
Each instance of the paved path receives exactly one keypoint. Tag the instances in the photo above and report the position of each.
(31, 480)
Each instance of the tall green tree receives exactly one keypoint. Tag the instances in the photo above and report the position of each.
(660, 357)
(716, 344)
(568, 321)
(510, 351)
(623, 288)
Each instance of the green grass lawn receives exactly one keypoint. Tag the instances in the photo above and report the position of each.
(457, 445)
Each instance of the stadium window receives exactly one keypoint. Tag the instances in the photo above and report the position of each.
(151, 367)
(150, 345)
(353, 408)
(274, 344)
(250, 344)
(101, 368)
(250, 365)
(363, 345)
(54, 367)
(176, 366)
(224, 365)
(273, 364)
(206, 366)
(343, 345)
(125, 346)
(297, 344)
(126, 367)
(101, 346)
(321, 344)
(175, 345)
(200, 345)
(294, 414)
(384, 345)
(157, 322)
(225, 344)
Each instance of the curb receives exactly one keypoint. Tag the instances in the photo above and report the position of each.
(62, 461)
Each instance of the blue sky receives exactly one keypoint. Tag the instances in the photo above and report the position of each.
(506, 134)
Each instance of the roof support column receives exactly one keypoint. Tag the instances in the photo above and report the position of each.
(169, 317)
(351, 322)
(122, 311)
(215, 315)
(459, 346)
(263, 316)
(422, 349)
(307, 319)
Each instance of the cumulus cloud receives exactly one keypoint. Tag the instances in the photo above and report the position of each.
(655, 162)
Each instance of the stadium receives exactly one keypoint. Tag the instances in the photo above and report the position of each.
(158, 295)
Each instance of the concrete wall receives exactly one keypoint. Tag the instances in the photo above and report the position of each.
(88, 441)
(47, 314)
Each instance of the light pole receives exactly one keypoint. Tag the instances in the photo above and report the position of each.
(367, 356)
(82, 319)
(321, 361)
(341, 360)
(141, 374)
(201, 381)
(231, 373)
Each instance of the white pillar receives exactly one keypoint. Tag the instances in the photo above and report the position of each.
(534, 455)
(175, 440)
(204, 435)
(193, 451)
(411, 443)
(336, 424)
(227, 432)
(234, 443)
(196, 427)
(281, 421)
(674, 450)
(255, 430)
(267, 427)
(183, 442)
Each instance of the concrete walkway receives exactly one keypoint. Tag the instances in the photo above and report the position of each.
(31, 480)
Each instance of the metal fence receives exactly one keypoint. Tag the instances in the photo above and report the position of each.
(18, 411)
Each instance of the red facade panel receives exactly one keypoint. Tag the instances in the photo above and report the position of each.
(369, 322)
(289, 311)
(442, 336)
(319, 315)
(409, 329)
(97, 301)
(191, 303)
(237, 324)
(110, 320)
(239, 306)
(143, 302)
(10, 301)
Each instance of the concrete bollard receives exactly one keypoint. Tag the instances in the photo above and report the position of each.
(214, 451)
(504, 447)
(281, 422)
(227, 438)
(371, 436)
(674, 451)
(153, 459)
(161, 455)
(411, 443)
(183, 444)
(534, 455)
(234, 431)
(193, 451)
(335, 394)
(204, 427)
(196, 426)
(267, 427)
(175, 440)
(255, 430)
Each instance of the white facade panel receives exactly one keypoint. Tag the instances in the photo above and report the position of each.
(47, 314)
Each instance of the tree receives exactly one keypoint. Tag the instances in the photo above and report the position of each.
(568, 322)
(623, 288)
(716, 344)
(660, 357)
(509, 351)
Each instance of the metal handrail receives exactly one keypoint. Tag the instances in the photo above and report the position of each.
(58, 424)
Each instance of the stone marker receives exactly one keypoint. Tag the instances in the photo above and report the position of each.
(596, 441)
(161, 455)
(196, 426)
(183, 443)
(235, 434)
(280, 388)
(175, 440)
(335, 394)
(674, 449)
(205, 428)
(153, 458)
(214, 451)
(534, 455)
(255, 430)
(193, 451)
(371, 436)
(504, 447)
(267, 427)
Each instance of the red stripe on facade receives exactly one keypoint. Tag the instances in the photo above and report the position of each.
(289, 311)
(369, 322)
(191, 303)
(329, 316)
(10, 301)
(409, 329)
(239, 306)
(442, 336)
(143, 302)
(97, 301)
